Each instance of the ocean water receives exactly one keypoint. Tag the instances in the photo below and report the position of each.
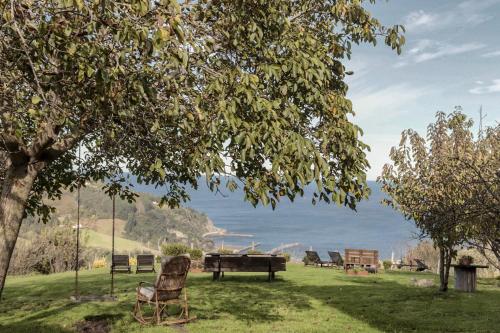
(322, 226)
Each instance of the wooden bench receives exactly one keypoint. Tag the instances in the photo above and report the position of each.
(220, 263)
(145, 263)
(120, 264)
(361, 258)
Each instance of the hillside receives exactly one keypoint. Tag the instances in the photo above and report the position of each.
(139, 226)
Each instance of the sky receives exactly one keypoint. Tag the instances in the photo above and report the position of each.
(451, 58)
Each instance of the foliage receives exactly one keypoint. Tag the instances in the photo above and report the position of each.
(287, 256)
(174, 249)
(424, 183)
(201, 74)
(307, 261)
(466, 260)
(483, 182)
(196, 254)
(387, 264)
(225, 251)
(254, 252)
(99, 263)
(52, 251)
(171, 91)
(426, 251)
(245, 303)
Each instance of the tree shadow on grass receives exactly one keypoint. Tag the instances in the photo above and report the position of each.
(248, 298)
(394, 307)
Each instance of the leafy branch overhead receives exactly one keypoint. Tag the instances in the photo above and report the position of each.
(172, 91)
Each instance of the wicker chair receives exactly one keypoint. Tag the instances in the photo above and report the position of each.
(167, 290)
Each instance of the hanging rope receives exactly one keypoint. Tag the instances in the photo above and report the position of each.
(77, 293)
(113, 250)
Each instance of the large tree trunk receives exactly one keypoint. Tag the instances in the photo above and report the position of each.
(444, 268)
(16, 188)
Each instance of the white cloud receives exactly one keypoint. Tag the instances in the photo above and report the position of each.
(491, 54)
(471, 12)
(389, 101)
(425, 50)
(494, 87)
(444, 50)
(419, 19)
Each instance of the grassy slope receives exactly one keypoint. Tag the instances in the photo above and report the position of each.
(301, 300)
(100, 240)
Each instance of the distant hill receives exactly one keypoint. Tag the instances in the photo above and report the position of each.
(140, 226)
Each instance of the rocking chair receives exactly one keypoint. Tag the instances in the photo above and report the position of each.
(165, 291)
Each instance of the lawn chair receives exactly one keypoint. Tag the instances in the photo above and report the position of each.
(145, 263)
(421, 266)
(165, 291)
(336, 258)
(313, 257)
(120, 264)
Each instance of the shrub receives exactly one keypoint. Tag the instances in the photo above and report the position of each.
(225, 251)
(174, 249)
(99, 263)
(287, 256)
(387, 264)
(307, 261)
(196, 254)
(254, 252)
(133, 261)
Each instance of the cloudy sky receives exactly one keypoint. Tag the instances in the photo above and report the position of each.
(451, 57)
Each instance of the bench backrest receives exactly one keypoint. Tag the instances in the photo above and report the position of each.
(361, 257)
(120, 260)
(145, 260)
(244, 263)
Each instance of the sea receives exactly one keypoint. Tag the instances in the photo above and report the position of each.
(321, 227)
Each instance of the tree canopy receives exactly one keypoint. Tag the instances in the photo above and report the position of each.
(173, 91)
(434, 182)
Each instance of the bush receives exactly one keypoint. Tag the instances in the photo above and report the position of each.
(196, 254)
(287, 256)
(306, 261)
(99, 263)
(133, 261)
(174, 249)
(254, 252)
(387, 264)
(225, 251)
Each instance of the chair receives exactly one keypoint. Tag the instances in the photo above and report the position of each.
(145, 263)
(120, 264)
(421, 266)
(313, 257)
(336, 258)
(165, 291)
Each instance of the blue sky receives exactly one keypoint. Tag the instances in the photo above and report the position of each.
(451, 57)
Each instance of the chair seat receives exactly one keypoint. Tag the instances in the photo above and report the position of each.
(147, 292)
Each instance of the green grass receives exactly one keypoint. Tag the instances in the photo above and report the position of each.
(303, 299)
(97, 239)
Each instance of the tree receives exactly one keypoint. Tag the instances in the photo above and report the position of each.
(483, 182)
(424, 182)
(254, 89)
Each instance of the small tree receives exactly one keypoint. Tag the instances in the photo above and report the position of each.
(483, 182)
(424, 182)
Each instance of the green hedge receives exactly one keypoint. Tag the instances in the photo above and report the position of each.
(176, 249)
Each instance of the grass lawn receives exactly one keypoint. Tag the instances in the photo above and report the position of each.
(303, 299)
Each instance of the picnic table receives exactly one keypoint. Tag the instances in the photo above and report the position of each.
(219, 263)
(466, 277)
